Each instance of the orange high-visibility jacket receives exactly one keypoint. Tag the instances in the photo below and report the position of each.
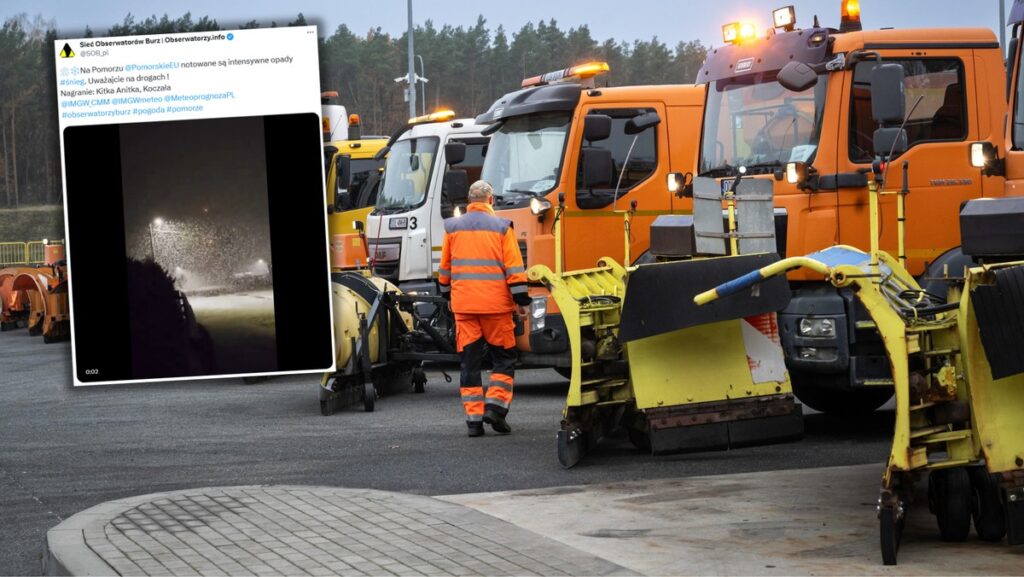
(480, 263)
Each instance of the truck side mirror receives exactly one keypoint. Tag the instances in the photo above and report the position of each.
(454, 152)
(642, 122)
(597, 127)
(890, 142)
(456, 186)
(597, 167)
(342, 182)
(797, 77)
(329, 151)
(888, 102)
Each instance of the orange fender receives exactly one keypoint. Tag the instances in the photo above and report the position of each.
(45, 291)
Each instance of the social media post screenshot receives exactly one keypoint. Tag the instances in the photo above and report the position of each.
(195, 213)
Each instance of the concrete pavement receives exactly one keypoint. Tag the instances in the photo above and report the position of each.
(796, 522)
(292, 530)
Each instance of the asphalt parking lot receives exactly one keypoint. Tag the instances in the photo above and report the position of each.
(64, 449)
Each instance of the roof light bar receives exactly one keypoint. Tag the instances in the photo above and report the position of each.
(747, 31)
(439, 116)
(578, 72)
(737, 32)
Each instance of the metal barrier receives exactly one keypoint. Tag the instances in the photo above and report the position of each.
(36, 251)
(23, 253)
(13, 253)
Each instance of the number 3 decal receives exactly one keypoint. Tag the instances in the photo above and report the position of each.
(412, 223)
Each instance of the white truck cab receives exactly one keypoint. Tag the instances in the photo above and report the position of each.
(430, 165)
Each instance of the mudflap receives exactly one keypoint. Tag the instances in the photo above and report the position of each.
(1014, 503)
(725, 425)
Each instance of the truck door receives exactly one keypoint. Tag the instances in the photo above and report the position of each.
(593, 227)
(1014, 146)
(939, 92)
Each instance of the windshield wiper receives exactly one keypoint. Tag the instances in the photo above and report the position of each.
(719, 171)
(391, 209)
(771, 164)
(768, 164)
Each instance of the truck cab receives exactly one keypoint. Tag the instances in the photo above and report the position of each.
(1004, 158)
(795, 107)
(565, 149)
(430, 164)
(353, 180)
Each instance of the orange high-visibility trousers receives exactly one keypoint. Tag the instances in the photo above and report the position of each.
(498, 332)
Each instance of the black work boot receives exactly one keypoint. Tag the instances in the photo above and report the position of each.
(476, 429)
(497, 422)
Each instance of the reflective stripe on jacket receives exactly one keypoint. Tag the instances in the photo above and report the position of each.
(480, 262)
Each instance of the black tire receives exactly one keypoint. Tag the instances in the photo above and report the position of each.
(986, 506)
(327, 407)
(890, 530)
(820, 393)
(950, 498)
(369, 396)
(419, 381)
(640, 439)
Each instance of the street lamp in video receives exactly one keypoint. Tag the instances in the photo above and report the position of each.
(156, 223)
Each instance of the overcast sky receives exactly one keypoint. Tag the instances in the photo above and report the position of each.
(669, 20)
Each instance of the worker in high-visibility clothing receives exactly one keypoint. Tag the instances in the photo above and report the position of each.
(482, 273)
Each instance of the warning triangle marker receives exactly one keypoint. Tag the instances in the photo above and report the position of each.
(67, 52)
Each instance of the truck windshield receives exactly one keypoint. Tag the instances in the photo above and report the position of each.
(407, 174)
(753, 121)
(525, 156)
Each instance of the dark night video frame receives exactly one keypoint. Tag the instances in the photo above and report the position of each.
(197, 248)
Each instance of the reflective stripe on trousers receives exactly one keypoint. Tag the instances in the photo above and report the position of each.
(498, 396)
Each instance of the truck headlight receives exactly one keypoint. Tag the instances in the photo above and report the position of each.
(812, 327)
(538, 313)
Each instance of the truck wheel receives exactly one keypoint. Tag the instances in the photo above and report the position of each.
(950, 498)
(640, 439)
(890, 530)
(822, 393)
(327, 407)
(987, 509)
(369, 396)
(419, 381)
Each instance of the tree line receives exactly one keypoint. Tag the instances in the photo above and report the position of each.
(468, 68)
